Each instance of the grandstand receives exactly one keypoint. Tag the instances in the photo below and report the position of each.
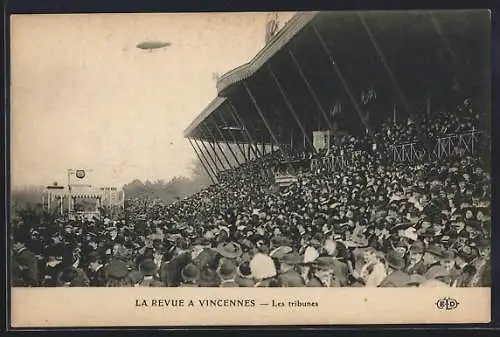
(368, 67)
(352, 151)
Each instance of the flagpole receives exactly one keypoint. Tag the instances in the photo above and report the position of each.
(69, 191)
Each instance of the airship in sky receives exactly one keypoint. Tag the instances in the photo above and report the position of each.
(152, 45)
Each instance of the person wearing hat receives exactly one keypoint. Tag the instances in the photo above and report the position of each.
(52, 267)
(279, 252)
(190, 275)
(96, 270)
(116, 274)
(72, 277)
(448, 262)
(204, 256)
(226, 272)
(415, 259)
(208, 278)
(149, 269)
(373, 271)
(396, 277)
(432, 256)
(25, 264)
(230, 250)
(170, 270)
(343, 260)
(323, 275)
(416, 280)
(438, 273)
(289, 276)
(244, 277)
(135, 277)
(465, 276)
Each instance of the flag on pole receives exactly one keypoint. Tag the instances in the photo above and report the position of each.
(336, 109)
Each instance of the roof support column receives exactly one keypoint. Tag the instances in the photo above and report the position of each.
(201, 161)
(223, 154)
(212, 169)
(310, 89)
(400, 92)
(234, 139)
(290, 107)
(261, 115)
(341, 78)
(239, 122)
(207, 151)
(385, 64)
(227, 144)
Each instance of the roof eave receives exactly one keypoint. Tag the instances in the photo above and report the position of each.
(291, 28)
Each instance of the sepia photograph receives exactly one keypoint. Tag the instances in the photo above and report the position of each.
(336, 149)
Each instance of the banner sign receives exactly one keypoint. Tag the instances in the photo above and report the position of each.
(80, 174)
(321, 139)
(285, 180)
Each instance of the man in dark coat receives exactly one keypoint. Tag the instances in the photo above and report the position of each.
(190, 275)
(96, 270)
(25, 265)
(324, 273)
(226, 272)
(415, 261)
(72, 277)
(395, 276)
(149, 269)
(289, 277)
(170, 271)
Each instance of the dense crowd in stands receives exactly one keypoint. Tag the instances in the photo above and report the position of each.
(371, 224)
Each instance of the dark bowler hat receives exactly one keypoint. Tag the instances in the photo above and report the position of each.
(190, 272)
(117, 269)
(227, 268)
(148, 267)
(395, 260)
(324, 263)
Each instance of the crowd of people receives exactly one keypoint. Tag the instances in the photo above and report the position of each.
(371, 224)
(432, 125)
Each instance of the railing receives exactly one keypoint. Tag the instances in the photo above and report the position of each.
(457, 145)
(448, 147)
(408, 152)
(332, 162)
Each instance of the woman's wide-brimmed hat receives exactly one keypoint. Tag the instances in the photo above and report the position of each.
(292, 258)
(230, 250)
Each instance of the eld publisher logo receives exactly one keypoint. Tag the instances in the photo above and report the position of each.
(447, 303)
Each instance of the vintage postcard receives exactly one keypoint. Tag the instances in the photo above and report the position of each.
(245, 154)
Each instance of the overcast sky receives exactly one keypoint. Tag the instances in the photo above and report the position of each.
(84, 97)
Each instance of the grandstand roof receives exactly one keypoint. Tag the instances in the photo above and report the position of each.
(406, 56)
